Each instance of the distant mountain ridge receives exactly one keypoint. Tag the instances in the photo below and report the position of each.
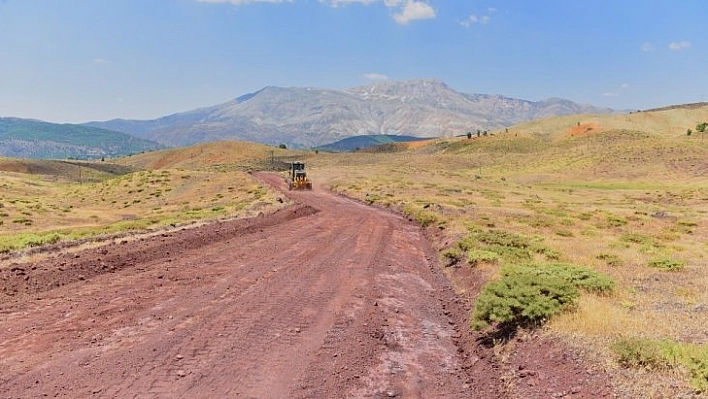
(28, 138)
(355, 143)
(310, 117)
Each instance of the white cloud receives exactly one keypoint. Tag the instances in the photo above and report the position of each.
(624, 86)
(473, 19)
(413, 11)
(99, 60)
(647, 47)
(375, 76)
(337, 3)
(406, 11)
(678, 46)
(239, 2)
(610, 94)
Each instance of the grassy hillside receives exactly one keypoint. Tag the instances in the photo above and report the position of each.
(23, 138)
(625, 196)
(560, 199)
(50, 201)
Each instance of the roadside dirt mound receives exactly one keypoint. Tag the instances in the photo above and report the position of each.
(583, 130)
(546, 368)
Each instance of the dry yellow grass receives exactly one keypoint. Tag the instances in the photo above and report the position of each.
(615, 194)
(167, 187)
(631, 190)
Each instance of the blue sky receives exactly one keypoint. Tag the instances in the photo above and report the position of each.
(81, 60)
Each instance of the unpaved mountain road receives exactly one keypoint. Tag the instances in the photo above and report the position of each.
(325, 299)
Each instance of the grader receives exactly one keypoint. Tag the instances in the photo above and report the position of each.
(298, 177)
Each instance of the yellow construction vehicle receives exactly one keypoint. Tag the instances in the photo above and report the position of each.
(298, 178)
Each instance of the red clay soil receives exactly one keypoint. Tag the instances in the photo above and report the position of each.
(584, 129)
(328, 298)
(325, 299)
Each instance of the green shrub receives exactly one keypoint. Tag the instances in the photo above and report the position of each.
(425, 218)
(522, 299)
(529, 294)
(580, 277)
(452, 255)
(615, 221)
(479, 255)
(642, 239)
(666, 354)
(667, 264)
(610, 259)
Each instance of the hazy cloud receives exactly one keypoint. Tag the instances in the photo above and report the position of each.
(610, 94)
(678, 46)
(624, 86)
(406, 11)
(375, 76)
(99, 60)
(414, 11)
(239, 2)
(473, 19)
(647, 47)
(337, 3)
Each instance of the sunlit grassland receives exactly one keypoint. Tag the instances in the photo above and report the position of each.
(44, 209)
(631, 204)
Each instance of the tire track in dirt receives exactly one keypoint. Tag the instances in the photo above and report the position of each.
(344, 301)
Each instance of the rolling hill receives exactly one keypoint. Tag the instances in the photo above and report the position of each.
(24, 138)
(363, 142)
(310, 117)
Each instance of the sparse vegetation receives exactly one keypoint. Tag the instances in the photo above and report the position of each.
(622, 195)
(667, 264)
(665, 355)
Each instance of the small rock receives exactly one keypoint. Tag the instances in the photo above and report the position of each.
(575, 390)
(181, 373)
(179, 357)
(297, 330)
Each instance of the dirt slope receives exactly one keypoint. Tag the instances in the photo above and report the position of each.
(325, 299)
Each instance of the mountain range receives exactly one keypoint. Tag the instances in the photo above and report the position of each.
(311, 117)
(27, 138)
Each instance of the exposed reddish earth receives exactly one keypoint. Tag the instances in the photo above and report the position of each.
(327, 298)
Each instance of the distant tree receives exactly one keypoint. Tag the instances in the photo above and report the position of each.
(688, 132)
(485, 133)
(701, 127)
(478, 133)
(507, 130)
(469, 135)
(283, 146)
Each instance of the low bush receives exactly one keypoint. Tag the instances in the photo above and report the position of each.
(452, 255)
(477, 256)
(528, 295)
(610, 259)
(667, 264)
(521, 300)
(666, 354)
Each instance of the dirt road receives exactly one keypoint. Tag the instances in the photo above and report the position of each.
(328, 298)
